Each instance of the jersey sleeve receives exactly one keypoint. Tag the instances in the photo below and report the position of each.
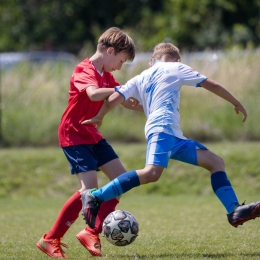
(129, 89)
(85, 78)
(189, 76)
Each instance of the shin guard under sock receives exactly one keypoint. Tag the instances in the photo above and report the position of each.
(118, 186)
(68, 214)
(224, 190)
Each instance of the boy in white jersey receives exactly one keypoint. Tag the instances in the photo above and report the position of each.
(158, 90)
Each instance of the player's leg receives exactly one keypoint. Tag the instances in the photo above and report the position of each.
(88, 237)
(69, 213)
(128, 180)
(88, 160)
(112, 169)
(109, 163)
(94, 199)
(194, 153)
(237, 214)
(156, 160)
(50, 242)
(219, 181)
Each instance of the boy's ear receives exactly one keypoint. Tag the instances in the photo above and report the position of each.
(110, 50)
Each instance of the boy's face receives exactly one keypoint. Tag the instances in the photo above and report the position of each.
(114, 61)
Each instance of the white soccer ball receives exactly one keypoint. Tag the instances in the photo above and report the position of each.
(120, 228)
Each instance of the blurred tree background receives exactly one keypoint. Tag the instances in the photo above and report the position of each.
(76, 25)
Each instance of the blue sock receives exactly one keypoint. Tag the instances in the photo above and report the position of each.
(118, 186)
(224, 191)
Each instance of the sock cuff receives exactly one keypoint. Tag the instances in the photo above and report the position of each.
(128, 180)
(218, 180)
(92, 231)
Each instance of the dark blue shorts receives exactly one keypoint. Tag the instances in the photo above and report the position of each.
(88, 157)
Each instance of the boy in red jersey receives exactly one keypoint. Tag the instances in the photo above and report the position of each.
(83, 145)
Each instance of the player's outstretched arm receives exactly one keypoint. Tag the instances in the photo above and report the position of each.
(220, 91)
(112, 101)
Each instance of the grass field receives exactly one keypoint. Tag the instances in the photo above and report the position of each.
(44, 172)
(36, 182)
(171, 227)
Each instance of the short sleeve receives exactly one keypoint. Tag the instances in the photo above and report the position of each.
(129, 89)
(84, 79)
(189, 76)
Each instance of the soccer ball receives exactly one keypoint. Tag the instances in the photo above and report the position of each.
(120, 228)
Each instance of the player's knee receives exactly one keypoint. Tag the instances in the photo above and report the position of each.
(155, 177)
(218, 164)
(151, 173)
(222, 162)
(152, 176)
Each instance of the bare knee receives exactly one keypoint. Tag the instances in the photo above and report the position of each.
(210, 161)
(150, 177)
(217, 164)
(149, 174)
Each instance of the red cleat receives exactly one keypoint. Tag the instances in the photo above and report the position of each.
(52, 247)
(90, 241)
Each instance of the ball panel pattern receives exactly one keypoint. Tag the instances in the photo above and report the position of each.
(120, 228)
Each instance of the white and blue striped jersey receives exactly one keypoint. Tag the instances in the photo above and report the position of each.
(158, 90)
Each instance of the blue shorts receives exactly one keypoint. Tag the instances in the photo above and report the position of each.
(88, 157)
(161, 147)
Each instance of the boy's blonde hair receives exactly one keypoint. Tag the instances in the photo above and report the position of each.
(119, 40)
(165, 49)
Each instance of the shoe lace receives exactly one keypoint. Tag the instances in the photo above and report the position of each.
(57, 246)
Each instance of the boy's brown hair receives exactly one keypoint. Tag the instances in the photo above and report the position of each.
(165, 49)
(119, 40)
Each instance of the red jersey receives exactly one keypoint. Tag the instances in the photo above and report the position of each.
(80, 107)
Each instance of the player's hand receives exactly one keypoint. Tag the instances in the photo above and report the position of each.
(134, 101)
(240, 108)
(131, 102)
(95, 121)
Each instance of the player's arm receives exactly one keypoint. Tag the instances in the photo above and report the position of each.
(222, 92)
(112, 101)
(133, 104)
(98, 94)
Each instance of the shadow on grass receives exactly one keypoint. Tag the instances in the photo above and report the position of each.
(184, 256)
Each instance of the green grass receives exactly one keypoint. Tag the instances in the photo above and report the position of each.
(44, 172)
(179, 216)
(171, 227)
